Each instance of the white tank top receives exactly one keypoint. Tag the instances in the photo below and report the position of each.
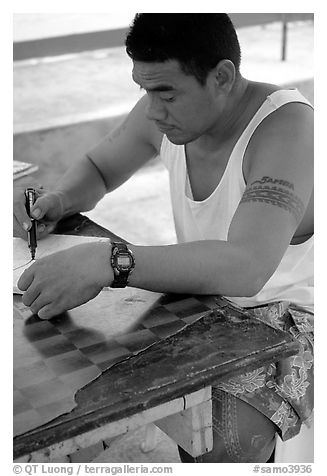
(210, 219)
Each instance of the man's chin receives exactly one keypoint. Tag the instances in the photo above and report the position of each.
(177, 139)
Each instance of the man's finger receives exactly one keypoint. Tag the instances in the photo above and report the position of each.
(30, 295)
(22, 217)
(18, 230)
(40, 302)
(40, 207)
(26, 279)
(47, 311)
(43, 229)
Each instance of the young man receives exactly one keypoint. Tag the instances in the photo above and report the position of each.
(239, 155)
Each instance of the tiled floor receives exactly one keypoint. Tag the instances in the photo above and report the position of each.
(129, 449)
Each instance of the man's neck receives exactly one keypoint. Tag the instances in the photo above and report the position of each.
(231, 118)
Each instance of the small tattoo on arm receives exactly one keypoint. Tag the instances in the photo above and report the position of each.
(275, 192)
(116, 132)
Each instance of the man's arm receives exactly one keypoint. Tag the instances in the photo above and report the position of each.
(105, 167)
(121, 153)
(279, 185)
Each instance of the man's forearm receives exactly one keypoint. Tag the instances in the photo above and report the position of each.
(81, 187)
(203, 267)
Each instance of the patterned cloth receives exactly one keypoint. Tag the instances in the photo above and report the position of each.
(282, 391)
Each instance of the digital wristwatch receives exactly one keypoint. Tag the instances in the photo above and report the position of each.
(122, 262)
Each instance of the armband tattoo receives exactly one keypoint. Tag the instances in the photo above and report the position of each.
(276, 192)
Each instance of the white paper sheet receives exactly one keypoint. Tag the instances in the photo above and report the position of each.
(50, 244)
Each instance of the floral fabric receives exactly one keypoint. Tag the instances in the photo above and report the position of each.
(282, 391)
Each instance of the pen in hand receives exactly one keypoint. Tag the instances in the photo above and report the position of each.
(30, 196)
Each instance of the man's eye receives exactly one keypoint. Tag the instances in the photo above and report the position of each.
(170, 99)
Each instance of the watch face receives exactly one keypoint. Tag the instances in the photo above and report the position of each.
(123, 262)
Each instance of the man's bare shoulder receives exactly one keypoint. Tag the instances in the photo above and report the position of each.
(296, 116)
(288, 127)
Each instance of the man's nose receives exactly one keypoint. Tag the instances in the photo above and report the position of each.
(155, 110)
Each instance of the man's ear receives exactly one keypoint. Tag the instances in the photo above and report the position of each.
(225, 75)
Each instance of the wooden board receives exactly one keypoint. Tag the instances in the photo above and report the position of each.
(224, 341)
(53, 359)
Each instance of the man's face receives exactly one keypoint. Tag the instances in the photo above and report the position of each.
(181, 107)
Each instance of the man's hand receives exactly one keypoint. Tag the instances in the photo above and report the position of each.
(48, 209)
(67, 279)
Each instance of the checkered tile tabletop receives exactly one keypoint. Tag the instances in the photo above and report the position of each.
(53, 359)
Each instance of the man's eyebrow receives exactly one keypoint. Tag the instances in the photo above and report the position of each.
(160, 88)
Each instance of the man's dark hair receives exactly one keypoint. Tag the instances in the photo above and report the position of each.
(197, 40)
